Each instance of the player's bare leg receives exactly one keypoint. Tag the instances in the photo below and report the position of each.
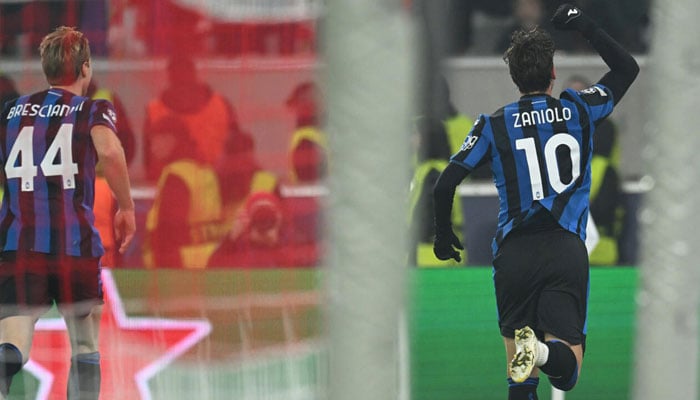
(16, 334)
(83, 330)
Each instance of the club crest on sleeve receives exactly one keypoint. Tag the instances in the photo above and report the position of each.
(111, 117)
(469, 142)
(594, 90)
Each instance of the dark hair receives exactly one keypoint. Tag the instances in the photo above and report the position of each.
(530, 59)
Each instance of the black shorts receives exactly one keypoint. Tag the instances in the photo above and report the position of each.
(542, 281)
(30, 283)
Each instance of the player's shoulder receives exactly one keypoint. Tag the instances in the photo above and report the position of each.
(481, 123)
(79, 102)
(485, 122)
(500, 113)
(486, 119)
(96, 112)
(98, 107)
(96, 103)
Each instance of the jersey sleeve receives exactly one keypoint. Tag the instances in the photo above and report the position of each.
(597, 100)
(475, 147)
(102, 113)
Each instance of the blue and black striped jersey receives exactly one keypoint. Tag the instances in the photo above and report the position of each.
(49, 173)
(540, 150)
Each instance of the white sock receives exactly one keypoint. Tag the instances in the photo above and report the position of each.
(542, 354)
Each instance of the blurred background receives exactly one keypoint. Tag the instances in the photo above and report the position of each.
(221, 108)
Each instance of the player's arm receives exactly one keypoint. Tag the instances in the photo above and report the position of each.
(111, 154)
(443, 196)
(623, 67)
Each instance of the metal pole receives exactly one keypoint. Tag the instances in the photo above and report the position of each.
(369, 78)
(666, 348)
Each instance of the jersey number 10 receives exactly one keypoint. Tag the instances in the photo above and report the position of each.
(551, 163)
(20, 161)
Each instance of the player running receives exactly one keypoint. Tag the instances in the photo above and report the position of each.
(540, 148)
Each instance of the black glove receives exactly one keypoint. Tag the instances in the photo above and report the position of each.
(443, 246)
(570, 18)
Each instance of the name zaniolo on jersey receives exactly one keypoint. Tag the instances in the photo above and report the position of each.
(537, 117)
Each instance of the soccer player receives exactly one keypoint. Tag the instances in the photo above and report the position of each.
(540, 148)
(49, 248)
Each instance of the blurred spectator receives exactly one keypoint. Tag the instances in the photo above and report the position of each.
(166, 27)
(624, 20)
(23, 24)
(163, 148)
(163, 26)
(280, 38)
(452, 21)
(10, 27)
(308, 156)
(457, 125)
(266, 230)
(308, 145)
(257, 237)
(432, 147)
(152, 27)
(527, 14)
(240, 175)
(209, 116)
(184, 225)
(94, 23)
(8, 90)
(236, 171)
(124, 131)
(606, 205)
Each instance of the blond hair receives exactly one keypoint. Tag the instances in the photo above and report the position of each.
(63, 53)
